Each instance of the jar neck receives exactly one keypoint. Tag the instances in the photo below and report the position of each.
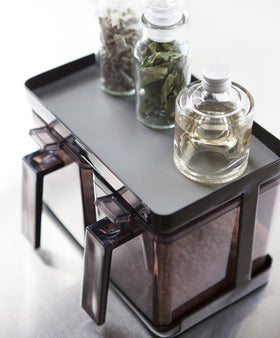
(227, 103)
(206, 95)
(163, 33)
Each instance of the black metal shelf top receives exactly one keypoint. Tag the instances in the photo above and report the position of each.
(139, 157)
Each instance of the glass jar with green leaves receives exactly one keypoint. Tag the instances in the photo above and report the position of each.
(162, 62)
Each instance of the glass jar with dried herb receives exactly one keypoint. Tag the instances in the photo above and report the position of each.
(162, 62)
(119, 32)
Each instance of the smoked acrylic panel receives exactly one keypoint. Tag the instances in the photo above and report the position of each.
(165, 279)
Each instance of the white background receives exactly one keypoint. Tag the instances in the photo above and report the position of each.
(39, 35)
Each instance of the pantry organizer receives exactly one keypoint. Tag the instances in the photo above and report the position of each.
(176, 251)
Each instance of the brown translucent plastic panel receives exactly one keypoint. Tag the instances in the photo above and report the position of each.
(268, 212)
(132, 275)
(35, 167)
(44, 138)
(165, 280)
(111, 207)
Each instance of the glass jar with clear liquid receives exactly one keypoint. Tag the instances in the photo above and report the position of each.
(213, 127)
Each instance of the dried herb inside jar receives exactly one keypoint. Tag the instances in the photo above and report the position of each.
(119, 33)
(163, 72)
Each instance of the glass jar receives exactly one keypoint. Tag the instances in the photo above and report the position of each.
(119, 32)
(213, 128)
(162, 62)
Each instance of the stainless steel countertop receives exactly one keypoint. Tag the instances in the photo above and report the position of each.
(40, 291)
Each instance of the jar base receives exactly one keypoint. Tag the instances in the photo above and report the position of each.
(228, 176)
(155, 126)
(117, 93)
